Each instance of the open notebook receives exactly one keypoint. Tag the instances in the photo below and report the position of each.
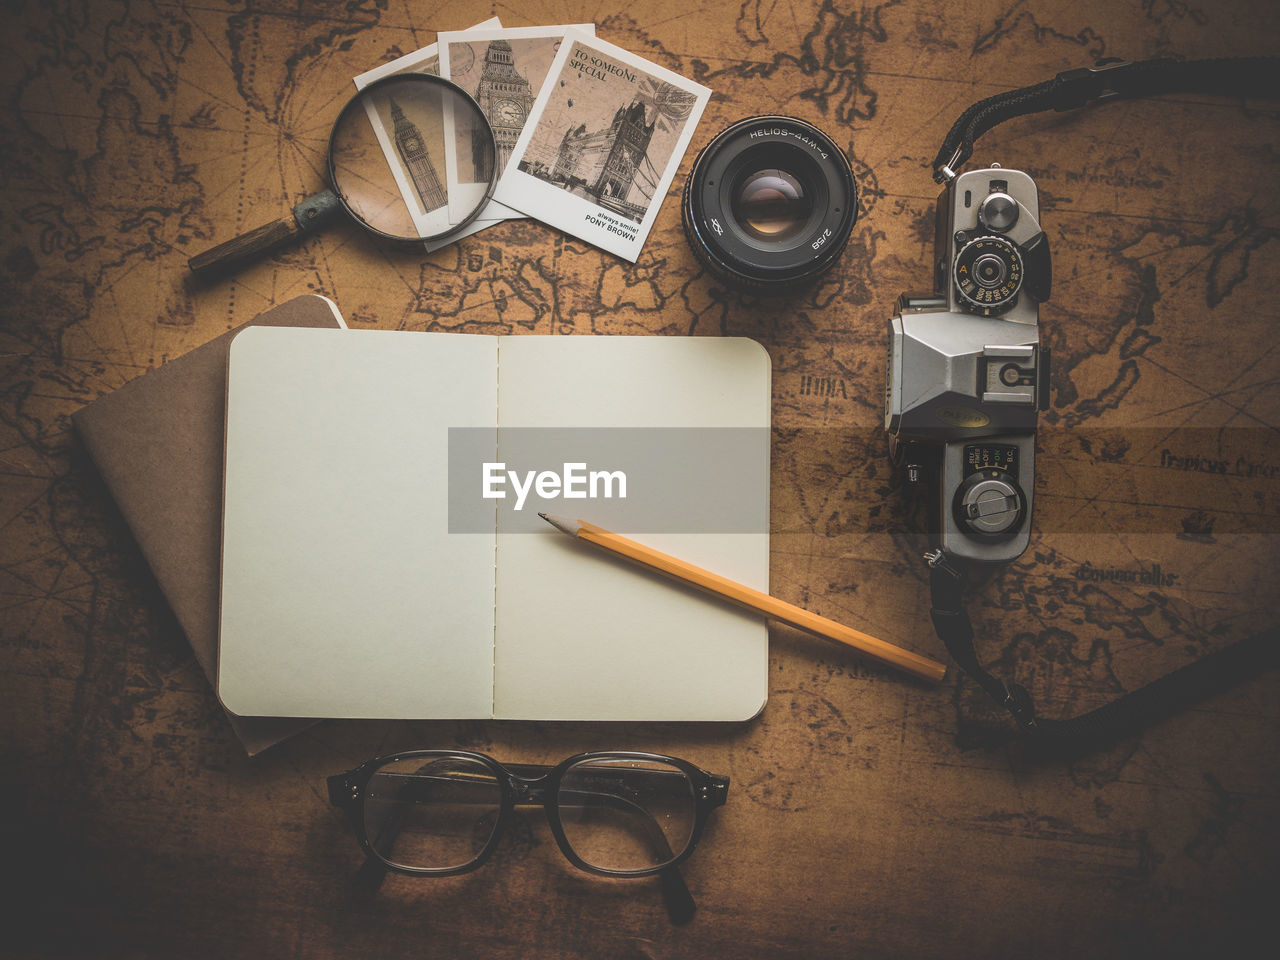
(345, 595)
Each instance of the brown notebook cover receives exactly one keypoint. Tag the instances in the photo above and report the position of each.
(157, 441)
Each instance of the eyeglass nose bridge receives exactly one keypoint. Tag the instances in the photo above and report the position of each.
(528, 791)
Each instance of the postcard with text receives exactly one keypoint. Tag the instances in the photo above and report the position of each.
(504, 70)
(601, 147)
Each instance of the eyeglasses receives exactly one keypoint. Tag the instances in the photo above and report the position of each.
(442, 812)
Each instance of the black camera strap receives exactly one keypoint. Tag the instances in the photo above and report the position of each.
(1128, 714)
(1110, 80)
(1244, 76)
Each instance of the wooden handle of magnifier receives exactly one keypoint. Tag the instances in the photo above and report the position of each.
(247, 245)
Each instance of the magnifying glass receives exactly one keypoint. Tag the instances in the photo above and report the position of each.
(387, 170)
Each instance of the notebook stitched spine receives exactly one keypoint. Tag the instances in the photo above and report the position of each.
(497, 434)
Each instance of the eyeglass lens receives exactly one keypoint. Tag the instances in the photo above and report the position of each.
(617, 814)
(626, 814)
(436, 813)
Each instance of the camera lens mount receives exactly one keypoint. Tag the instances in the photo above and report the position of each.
(988, 274)
(770, 204)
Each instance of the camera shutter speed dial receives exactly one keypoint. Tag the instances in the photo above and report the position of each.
(988, 274)
(989, 503)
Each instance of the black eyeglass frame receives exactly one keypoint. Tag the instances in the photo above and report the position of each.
(526, 784)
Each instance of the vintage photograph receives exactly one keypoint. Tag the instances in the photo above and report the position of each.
(503, 69)
(603, 144)
(416, 127)
(412, 138)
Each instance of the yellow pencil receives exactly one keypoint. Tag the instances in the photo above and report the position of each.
(771, 607)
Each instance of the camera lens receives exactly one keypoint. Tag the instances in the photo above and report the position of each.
(770, 204)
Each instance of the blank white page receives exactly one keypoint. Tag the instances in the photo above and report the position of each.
(582, 635)
(343, 593)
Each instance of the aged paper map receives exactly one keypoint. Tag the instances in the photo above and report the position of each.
(868, 815)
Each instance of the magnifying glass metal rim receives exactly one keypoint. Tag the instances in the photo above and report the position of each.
(429, 78)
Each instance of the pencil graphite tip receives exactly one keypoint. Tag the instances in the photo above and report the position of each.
(563, 524)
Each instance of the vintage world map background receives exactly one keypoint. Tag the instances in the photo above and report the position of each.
(868, 815)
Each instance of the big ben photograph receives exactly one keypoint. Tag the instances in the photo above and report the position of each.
(503, 69)
(413, 138)
(413, 151)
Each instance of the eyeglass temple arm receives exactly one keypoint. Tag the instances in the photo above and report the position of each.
(340, 788)
(340, 795)
(373, 871)
(343, 793)
(675, 892)
(716, 791)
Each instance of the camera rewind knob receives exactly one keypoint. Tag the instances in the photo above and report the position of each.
(998, 212)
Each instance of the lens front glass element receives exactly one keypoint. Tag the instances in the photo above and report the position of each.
(392, 147)
(771, 204)
(624, 814)
(431, 812)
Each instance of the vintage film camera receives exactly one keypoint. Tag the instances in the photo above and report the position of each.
(967, 373)
(769, 207)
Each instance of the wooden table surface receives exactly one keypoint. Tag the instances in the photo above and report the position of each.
(863, 819)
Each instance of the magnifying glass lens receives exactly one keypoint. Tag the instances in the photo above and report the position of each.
(412, 157)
